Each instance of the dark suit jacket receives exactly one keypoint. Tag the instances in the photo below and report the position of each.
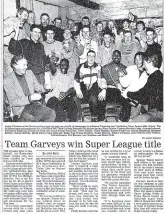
(152, 93)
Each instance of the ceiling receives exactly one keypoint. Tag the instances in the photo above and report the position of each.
(60, 3)
(67, 3)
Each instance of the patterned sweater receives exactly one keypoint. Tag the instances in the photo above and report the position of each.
(89, 75)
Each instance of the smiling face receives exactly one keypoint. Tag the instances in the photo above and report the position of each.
(71, 24)
(107, 39)
(99, 27)
(91, 58)
(85, 33)
(50, 36)
(140, 27)
(64, 65)
(125, 25)
(35, 34)
(121, 34)
(58, 23)
(139, 61)
(20, 67)
(44, 20)
(116, 57)
(31, 19)
(85, 22)
(128, 38)
(23, 16)
(150, 37)
(67, 34)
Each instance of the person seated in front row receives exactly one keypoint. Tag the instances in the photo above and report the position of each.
(60, 81)
(89, 85)
(24, 93)
(112, 73)
(135, 79)
(152, 93)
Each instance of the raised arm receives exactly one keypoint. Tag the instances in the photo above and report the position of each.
(15, 46)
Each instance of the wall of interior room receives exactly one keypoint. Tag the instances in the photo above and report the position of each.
(40, 8)
(119, 9)
(9, 8)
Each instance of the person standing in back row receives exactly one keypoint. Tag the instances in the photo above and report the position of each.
(9, 32)
(32, 49)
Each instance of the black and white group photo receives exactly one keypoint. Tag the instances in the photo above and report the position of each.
(83, 61)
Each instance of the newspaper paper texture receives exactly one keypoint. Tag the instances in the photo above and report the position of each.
(93, 165)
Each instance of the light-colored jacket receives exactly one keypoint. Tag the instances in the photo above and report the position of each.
(104, 55)
(14, 91)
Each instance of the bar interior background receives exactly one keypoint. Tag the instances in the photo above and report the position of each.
(148, 10)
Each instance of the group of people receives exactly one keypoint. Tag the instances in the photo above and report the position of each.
(50, 70)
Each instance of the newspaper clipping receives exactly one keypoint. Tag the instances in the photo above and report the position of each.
(82, 125)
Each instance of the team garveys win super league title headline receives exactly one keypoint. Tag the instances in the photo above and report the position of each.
(87, 144)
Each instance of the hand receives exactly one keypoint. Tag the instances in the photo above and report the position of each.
(62, 95)
(102, 95)
(35, 96)
(53, 57)
(88, 41)
(124, 94)
(119, 86)
(79, 94)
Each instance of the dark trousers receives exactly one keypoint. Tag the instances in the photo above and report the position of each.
(113, 95)
(151, 116)
(67, 104)
(91, 96)
(40, 78)
(36, 112)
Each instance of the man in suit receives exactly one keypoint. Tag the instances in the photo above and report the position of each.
(24, 93)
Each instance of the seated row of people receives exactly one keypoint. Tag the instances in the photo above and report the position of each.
(65, 91)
